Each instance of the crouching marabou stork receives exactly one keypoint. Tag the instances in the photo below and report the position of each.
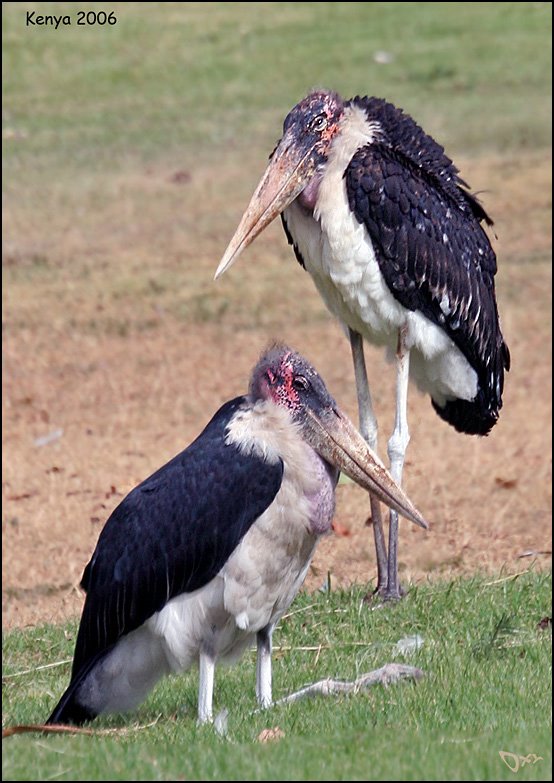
(211, 549)
(378, 215)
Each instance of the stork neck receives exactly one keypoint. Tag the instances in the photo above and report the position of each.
(262, 429)
(355, 132)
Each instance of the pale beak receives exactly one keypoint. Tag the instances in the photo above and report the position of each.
(287, 174)
(337, 440)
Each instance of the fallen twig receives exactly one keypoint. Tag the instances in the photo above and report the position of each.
(36, 669)
(295, 611)
(315, 647)
(27, 728)
(506, 578)
(387, 674)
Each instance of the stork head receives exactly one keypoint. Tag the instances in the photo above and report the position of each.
(294, 168)
(285, 378)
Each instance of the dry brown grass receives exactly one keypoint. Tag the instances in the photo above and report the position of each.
(116, 335)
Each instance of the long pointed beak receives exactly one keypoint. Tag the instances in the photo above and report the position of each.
(338, 441)
(287, 174)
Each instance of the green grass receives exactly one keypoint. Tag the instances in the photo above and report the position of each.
(192, 81)
(487, 688)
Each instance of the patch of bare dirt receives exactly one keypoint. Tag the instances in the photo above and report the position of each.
(116, 355)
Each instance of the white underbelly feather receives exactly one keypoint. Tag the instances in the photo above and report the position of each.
(339, 255)
(345, 271)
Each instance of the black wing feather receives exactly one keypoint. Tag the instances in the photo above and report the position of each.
(291, 241)
(172, 534)
(432, 249)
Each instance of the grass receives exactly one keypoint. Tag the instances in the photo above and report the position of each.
(129, 154)
(193, 81)
(217, 63)
(487, 688)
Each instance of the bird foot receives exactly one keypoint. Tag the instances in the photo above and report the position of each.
(383, 594)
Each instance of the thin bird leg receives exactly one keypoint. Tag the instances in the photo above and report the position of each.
(206, 687)
(368, 428)
(397, 446)
(263, 667)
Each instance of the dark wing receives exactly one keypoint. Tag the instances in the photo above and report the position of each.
(432, 250)
(172, 534)
(291, 241)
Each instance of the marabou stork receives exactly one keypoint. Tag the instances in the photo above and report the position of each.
(380, 218)
(209, 552)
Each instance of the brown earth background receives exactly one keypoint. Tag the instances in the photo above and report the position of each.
(103, 383)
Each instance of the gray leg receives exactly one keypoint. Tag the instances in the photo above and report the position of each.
(206, 688)
(368, 428)
(397, 446)
(263, 667)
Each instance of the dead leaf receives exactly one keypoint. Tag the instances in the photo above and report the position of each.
(271, 735)
(505, 483)
(23, 495)
(181, 177)
(112, 491)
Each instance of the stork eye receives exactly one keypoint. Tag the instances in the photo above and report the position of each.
(300, 383)
(318, 123)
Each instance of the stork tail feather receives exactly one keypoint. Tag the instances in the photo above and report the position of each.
(469, 417)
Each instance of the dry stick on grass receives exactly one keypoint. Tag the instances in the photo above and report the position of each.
(26, 728)
(36, 669)
(506, 578)
(387, 674)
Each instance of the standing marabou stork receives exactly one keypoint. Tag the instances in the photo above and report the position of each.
(378, 215)
(211, 549)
